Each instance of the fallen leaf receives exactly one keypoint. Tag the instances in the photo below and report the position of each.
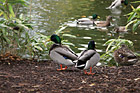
(80, 87)
(16, 86)
(36, 86)
(23, 84)
(83, 81)
(92, 84)
(136, 79)
(30, 90)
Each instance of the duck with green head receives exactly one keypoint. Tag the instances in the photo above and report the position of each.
(88, 58)
(118, 3)
(87, 21)
(61, 54)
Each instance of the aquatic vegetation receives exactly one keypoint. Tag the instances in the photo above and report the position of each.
(40, 44)
(134, 17)
(7, 9)
(13, 27)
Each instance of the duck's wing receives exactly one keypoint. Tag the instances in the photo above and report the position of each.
(81, 53)
(66, 52)
(102, 23)
(86, 55)
(83, 19)
(99, 22)
(70, 50)
(125, 52)
(115, 4)
(129, 54)
(85, 22)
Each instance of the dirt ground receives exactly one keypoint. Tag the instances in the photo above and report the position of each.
(27, 76)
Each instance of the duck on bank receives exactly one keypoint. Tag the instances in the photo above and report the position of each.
(61, 54)
(88, 58)
(125, 56)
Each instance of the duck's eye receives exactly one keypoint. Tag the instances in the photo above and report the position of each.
(121, 56)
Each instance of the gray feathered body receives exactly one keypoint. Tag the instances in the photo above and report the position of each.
(87, 59)
(85, 21)
(62, 55)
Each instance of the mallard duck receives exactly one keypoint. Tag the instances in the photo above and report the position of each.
(117, 3)
(103, 23)
(87, 21)
(124, 56)
(120, 29)
(88, 58)
(61, 54)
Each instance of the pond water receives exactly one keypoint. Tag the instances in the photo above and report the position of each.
(50, 14)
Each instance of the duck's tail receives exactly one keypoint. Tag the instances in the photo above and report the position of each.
(80, 64)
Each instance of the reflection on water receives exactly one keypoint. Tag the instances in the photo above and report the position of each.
(50, 14)
(116, 13)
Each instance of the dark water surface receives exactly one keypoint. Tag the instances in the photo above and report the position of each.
(50, 14)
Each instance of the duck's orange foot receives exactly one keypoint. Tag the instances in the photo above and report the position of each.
(89, 73)
(62, 68)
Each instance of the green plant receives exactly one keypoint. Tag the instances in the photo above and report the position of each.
(112, 45)
(12, 32)
(6, 7)
(40, 44)
(134, 17)
(13, 29)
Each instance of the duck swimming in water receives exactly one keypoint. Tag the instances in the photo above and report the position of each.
(117, 3)
(87, 21)
(103, 23)
(120, 29)
(88, 58)
(61, 54)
